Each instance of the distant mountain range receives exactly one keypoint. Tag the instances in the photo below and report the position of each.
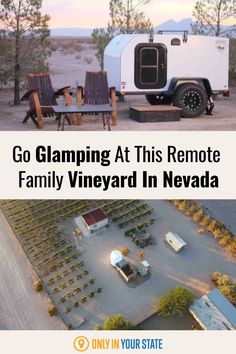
(172, 25)
(71, 32)
(184, 24)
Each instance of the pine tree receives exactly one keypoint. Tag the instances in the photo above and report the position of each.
(211, 17)
(28, 33)
(125, 17)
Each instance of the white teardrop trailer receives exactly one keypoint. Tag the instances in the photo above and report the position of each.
(179, 69)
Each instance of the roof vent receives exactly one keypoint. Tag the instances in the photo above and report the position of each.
(151, 36)
(175, 41)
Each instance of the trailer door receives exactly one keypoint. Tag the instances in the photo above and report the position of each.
(150, 66)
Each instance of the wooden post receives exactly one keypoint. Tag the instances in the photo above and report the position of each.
(38, 109)
(113, 103)
(79, 94)
(68, 100)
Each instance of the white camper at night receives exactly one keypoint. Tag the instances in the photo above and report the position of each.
(179, 69)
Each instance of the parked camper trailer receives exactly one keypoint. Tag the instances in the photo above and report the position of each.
(174, 241)
(126, 270)
(183, 70)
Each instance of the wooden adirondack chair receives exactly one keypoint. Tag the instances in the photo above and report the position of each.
(41, 97)
(96, 92)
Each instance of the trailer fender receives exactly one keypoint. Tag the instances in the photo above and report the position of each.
(177, 81)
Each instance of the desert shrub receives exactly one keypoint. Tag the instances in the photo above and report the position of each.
(175, 303)
(193, 208)
(225, 285)
(217, 234)
(215, 276)
(124, 251)
(183, 205)
(83, 299)
(67, 310)
(232, 246)
(225, 240)
(38, 286)
(200, 231)
(197, 216)
(205, 220)
(52, 310)
(213, 225)
(176, 202)
(92, 294)
(116, 322)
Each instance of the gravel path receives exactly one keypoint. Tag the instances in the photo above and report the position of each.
(20, 307)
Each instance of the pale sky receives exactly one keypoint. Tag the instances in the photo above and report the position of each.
(95, 13)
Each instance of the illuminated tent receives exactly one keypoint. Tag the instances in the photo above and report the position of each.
(115, 257)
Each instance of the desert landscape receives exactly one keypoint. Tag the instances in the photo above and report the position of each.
(71, 58)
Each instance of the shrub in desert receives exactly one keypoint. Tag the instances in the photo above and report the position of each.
(215, 276)
(232, 246)
(218, 234)
(198, 215)
(226, 231)
(183, 205)
(124, 251)
(52, 310)
(225, 240)
(175, 303)
(176, 202)
(192, 208)
(223, 280)
(205, 220)
(225, 285)
(38, 286)
(213, 225)
(116, 322)
(229, 291)
(200, 231)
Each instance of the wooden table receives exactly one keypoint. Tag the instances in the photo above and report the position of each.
(63, 113)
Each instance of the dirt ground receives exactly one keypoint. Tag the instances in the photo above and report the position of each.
(19, 303)
(70, 60)
(191, 268)
(224, 119)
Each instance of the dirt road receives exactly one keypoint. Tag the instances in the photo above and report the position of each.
(20, 307)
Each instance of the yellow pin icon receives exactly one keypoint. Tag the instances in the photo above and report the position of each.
(81, 344)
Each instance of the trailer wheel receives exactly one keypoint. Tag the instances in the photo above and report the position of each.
(192, 98)
(157, 100)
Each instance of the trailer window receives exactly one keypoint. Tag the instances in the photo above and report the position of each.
(149, 65)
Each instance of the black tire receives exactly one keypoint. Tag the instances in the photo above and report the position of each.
(192, 99)
(157, 100)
